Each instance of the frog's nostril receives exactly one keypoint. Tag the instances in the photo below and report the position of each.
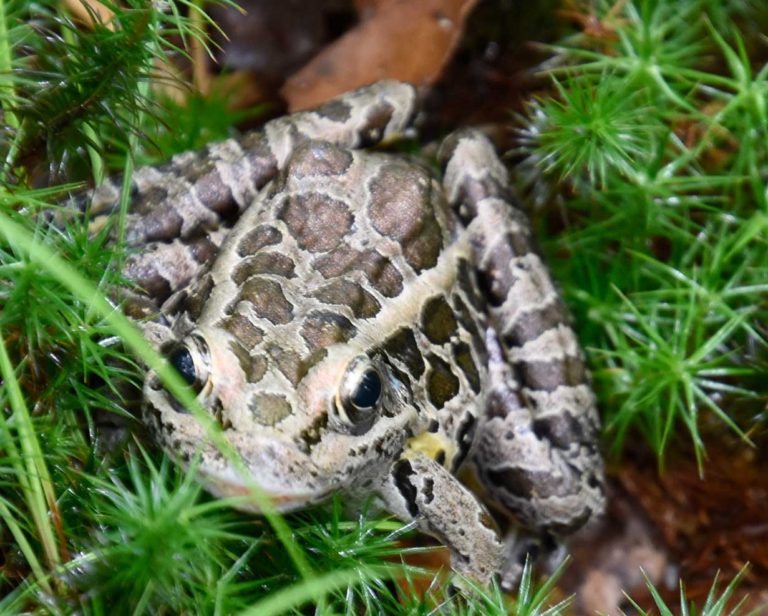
(153, 382)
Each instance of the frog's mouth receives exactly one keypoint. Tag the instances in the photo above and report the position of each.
(246, 498)
(247, 495)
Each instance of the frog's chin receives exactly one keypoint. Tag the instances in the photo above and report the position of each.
(247, 495)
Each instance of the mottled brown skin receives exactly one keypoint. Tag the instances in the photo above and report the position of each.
(356, 324)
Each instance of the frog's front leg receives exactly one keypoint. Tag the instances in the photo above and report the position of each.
(418, 488)
(536, 452)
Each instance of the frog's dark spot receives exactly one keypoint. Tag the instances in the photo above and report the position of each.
(533, 323)
(433, 426)
(515, 481)
(525, 482)
(338, 111)
(204, 155)
(429, 488)
(197, 297)
(442, 384)
(467, 281)
(312, 435)
(150, 199)
(269, 409)
(401, 474)
(462, 355)
(134, 194)
(317, 158)
(594, 482)
(474, 189)
(519, 241)
(376, 123)
(550, 374)
(488, 283)
(440, 457)
(144, 271)
(288, 362)
(257, 238)
(259, 157)
(561, 430)
(317, 221)
(566, 528)
(378, 269)
(242, 330)
(212, 191)
(401, 208)
(217, 410)
(438, 320)
(272, 263)
(402, 346)
(254, 368)
(508, 279)
(465, 317)
(465, 436)
(203, 250)
(321, 329)
(267, 299)
(162, 224)
(348, 293)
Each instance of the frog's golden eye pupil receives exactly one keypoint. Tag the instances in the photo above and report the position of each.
(368, 391)
(181, 359)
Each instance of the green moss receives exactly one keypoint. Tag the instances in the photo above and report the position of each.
(652, 139)
(653, 144)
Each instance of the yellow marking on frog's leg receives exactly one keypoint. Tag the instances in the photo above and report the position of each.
(435, 446)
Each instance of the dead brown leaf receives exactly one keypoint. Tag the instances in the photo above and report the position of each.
(396, 39)
(710, 524)
(88, 12)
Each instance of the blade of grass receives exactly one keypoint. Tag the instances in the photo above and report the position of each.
(37, 488)
(294, 596)
(24, 546)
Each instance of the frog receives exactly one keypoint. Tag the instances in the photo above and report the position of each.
(357, 321)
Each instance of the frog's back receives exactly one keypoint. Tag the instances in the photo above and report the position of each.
(366, 327)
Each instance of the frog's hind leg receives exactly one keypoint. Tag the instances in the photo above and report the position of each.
(536, 452)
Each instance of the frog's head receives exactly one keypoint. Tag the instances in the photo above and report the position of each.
(336, 427)
(298, 342)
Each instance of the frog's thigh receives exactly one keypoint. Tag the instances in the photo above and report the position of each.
(418, 488)
(537, 450)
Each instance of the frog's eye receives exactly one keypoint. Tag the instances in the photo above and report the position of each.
(358, 398)
(190, 361)
(181, 359)
(368, 391)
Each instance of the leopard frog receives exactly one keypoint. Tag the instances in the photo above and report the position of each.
(355, 323)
